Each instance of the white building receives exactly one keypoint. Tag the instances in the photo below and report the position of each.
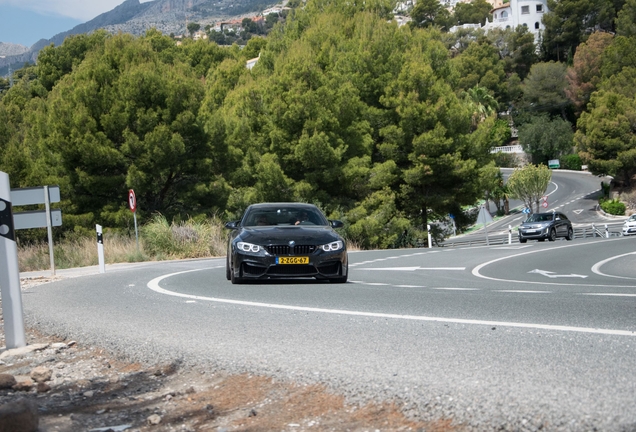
(528, 13)
(516, 13)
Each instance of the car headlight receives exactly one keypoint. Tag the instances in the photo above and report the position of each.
(334, 246)
(248, 247)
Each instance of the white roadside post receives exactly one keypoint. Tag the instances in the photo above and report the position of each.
(100, 249)
(428, 230)
(509, 234)
(9, 272)
(606, 231)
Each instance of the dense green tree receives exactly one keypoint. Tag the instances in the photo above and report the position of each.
(626, 20)
(193, 28)
(569, 22)
(122, 119)
(481, 65)
(428, 13)
(619, 55)
(55, 62)
(544, 138)
(529, 184)
(475, 12)
(606, 137)
(544, 89)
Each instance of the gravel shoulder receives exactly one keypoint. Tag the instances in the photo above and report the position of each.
(91, 389)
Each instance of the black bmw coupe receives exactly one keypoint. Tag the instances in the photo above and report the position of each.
(285, 240)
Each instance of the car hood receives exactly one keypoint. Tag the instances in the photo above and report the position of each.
(630, 223)
(285, 234)
(534, 224)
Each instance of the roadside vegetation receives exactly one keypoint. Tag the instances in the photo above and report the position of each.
(386, 128)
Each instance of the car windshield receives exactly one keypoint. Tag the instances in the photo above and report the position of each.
(540, 217)
(632, 218)
(281, 215)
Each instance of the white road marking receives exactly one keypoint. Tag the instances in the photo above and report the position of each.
(596, 267)
(478, 268)
(609, 294)
(154, 285)
(412, 268)
(457, 289)
(552, 275)
(524, 291)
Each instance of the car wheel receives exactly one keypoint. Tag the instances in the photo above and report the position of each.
(234, 279)
(228, 272)
(523, 240)
(570, 235)
(553, 235)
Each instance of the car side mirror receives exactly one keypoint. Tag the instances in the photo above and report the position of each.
(231, 225)
(336, 224)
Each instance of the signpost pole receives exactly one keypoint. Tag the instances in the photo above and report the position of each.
(136, 232)
(132, 205)
(9, 271)
(49, 227)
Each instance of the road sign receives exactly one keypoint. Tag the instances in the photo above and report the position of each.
(36, 219)
(132, 201)
(554, 163)
(544, 204)
(34, 195)
(526, 210)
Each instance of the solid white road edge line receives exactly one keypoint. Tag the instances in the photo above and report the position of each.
(154, 285)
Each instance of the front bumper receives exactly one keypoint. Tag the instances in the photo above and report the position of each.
(534, 234)
(322, 265)
(629, 230)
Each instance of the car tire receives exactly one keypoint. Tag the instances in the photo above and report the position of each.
(523, 240)
(570, 235)
(228, 272)
(234, 279)
(553, 235)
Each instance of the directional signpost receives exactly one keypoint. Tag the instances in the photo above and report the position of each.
(485, 218)
(46, 218)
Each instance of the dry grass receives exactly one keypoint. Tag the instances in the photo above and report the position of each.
(80, 253)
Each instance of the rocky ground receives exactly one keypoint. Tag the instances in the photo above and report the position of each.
(64, 385)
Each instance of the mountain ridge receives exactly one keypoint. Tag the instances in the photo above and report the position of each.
(132, 16)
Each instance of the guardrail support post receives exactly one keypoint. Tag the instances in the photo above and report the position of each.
(593, 231)
(428, 230)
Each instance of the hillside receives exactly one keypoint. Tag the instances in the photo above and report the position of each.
(168, 16)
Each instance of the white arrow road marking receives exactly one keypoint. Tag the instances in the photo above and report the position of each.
(154, 285)
(414, 268)
(552, 275)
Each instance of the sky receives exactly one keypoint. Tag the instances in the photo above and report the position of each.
(25, 22)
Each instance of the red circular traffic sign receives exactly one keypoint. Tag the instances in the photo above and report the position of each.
(545, 204)
(132, 201)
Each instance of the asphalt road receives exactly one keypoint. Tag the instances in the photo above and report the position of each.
(540, 336)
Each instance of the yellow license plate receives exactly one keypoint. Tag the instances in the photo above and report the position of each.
(292, 260)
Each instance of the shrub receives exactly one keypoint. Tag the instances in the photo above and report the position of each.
(613, 207)
(571, 162)
(186, 239)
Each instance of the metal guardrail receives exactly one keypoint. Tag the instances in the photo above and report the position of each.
(599, 231)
